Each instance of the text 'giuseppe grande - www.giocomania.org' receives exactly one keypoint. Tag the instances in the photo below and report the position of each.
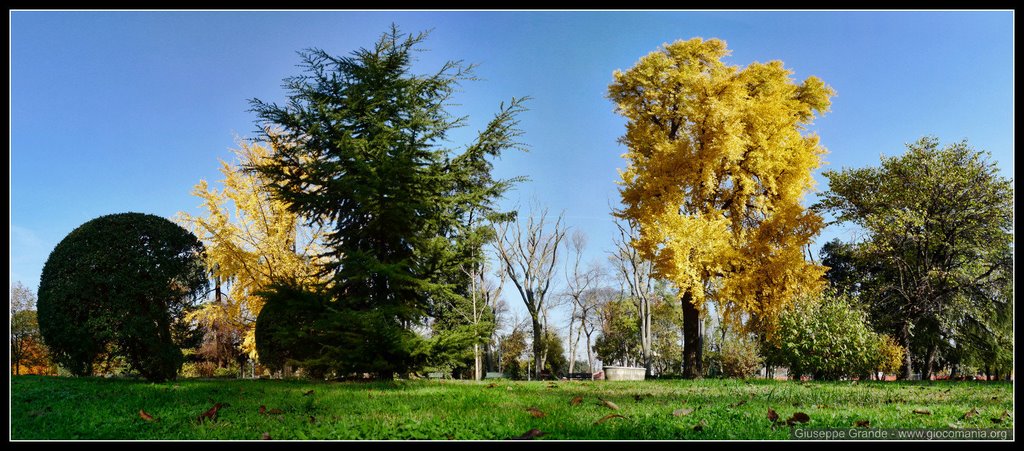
(899, 434)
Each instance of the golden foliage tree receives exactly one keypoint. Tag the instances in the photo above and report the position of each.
(252, 240)
(718, 162)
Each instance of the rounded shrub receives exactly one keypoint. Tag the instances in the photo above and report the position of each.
(121, 283)
(826, 336)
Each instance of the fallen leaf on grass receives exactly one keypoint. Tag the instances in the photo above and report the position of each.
(1003, 417)
(146, 416)
(529, 435)
(576, 401)
(922, 411)
(773, 416)
(609, 404)
(681, 412)
(699, 426)
(211, 414)
(798, 417)
(266, 436)
(275, 411)
(492, 385)
(862, 423)
(535, 412)
(263, 410)
(739, 403)
(970, 414)
(308, 393)
(608, 417)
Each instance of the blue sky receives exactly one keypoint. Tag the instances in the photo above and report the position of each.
(127, 111)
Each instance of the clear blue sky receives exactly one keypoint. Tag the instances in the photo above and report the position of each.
(127, 111)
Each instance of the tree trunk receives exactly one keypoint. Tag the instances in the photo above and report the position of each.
(590, 358)
(538, 347)
(646, 342)
(692, 341)
(572, 343)
(907, 369)
(929, 363)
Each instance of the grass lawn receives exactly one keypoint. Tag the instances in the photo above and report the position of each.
(108, 409)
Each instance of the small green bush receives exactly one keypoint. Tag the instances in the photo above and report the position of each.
(826, 336)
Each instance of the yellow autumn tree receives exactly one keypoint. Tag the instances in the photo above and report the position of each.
(718, 160)
(251, 240)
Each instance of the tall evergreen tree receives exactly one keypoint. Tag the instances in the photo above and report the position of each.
(364, 154)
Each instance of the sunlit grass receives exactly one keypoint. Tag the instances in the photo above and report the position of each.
(108, 409)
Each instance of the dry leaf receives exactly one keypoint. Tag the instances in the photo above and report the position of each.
(266, 436)
(529, 435)
(699, 426)
(535, 412)
(862, 423)
(970, 414)
(608, 417)
(275, 411)
(740, 403)
(798, 417)
(609, 404)
(772, 415)
(922, 411)
(211, 414)
(263, 410)
(492, 385)
(308, 393)
(146, 416)
(681, 412)
(576, 401)
(1003, 417)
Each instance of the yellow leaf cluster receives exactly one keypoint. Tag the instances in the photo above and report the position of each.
(251, 240)
(717, 165)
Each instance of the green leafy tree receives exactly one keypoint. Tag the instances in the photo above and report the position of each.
(24, 326)
(667, 334)
(938, 227)
(556, 363)
(512, 351)
(362, 152)
(122, 282)
(826, 336)
(619, 342)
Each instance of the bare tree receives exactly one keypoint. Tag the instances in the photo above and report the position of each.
(592, 303)
(492, 291)
(578, 280)
(635, 272)
(529, 253)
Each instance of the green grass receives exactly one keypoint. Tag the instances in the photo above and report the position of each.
(108, 409)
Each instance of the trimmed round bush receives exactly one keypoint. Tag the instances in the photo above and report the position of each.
(119, 285)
